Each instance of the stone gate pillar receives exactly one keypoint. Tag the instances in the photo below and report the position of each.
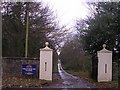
(104, 65)
(46, 54)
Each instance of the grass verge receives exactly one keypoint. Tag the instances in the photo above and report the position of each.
(86, 76)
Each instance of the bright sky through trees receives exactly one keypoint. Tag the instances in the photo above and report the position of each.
(68, 11)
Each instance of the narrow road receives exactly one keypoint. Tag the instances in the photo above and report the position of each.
(70, 81)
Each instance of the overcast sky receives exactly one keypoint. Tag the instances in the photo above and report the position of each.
(68, 10)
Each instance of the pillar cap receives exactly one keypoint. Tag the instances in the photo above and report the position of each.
(104, 46)
(46, 47)
(104, 50)
(46, 43)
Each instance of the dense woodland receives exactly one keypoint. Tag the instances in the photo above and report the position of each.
(102, 27)
(41, 24)
(77, 52)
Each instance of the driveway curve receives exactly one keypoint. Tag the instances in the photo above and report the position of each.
(70, 81)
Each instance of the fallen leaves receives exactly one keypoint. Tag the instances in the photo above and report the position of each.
(25, 82)
(21, 82)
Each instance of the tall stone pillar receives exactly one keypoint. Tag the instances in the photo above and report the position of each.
(46, 59)
(104, 65)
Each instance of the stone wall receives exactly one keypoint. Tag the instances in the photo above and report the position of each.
(12, 66)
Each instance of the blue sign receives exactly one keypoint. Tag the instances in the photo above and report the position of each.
(28, 69)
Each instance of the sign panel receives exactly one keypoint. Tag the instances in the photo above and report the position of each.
(28, 69)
